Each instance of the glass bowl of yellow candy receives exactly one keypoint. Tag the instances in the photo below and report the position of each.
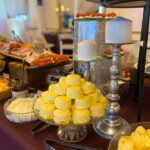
(71, 104)
(135, 136)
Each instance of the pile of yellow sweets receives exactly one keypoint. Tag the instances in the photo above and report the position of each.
(138, 140)
(71, 100)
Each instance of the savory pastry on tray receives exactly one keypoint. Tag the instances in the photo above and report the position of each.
(46, 59)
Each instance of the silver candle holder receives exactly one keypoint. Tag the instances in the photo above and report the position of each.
(112, 123)
(87, 67)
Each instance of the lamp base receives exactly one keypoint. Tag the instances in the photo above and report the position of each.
(107, 129)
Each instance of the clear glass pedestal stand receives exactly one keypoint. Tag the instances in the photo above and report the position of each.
(72, 133)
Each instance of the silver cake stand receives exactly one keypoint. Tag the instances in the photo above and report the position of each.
(112, 123)
(87, 72)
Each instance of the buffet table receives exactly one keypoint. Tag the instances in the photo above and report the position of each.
(18, 136)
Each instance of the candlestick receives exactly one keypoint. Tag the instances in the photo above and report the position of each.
(112, 123)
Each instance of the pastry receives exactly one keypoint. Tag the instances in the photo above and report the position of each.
(62, 80)
(81, 116)
(126, 143)
(50, 58)
(52, 87)
(88, 88)
(74, 92)
(87, 50)
(138, 140)
(82, 102)
(62, 116)
(94, 97)
(82, 81)
(73, 80)
(73, 100)
(103, 100)
(39, 102)
(61, 89)
(46, 111)
(49, 96)
(63, 102)
(97, 110)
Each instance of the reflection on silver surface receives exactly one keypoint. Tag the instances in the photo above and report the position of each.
(99, 70)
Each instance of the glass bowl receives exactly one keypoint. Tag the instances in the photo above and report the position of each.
(127, 130)
(18, 117)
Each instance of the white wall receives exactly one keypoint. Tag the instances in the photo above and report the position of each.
(134, 14)
(3, 29)
(52, 21)
(33, 14)
(2, 9)
(43, 16)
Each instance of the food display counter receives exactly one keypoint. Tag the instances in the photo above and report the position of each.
(18, 136)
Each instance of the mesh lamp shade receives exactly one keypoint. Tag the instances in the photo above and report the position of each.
(121, 3)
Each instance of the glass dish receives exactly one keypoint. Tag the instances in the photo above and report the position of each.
(69, 132)
(18, 117)
(127, 130)
(51, 122)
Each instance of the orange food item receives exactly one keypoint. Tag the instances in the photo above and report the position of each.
(121, 49)
(78, 15)
(50, 59)
(103, 15)
(125, 73)
(108, 52)
(113, 14)
(28, 46)
(3, 87)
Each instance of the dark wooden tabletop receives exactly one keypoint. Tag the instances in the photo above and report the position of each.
(18, 136)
